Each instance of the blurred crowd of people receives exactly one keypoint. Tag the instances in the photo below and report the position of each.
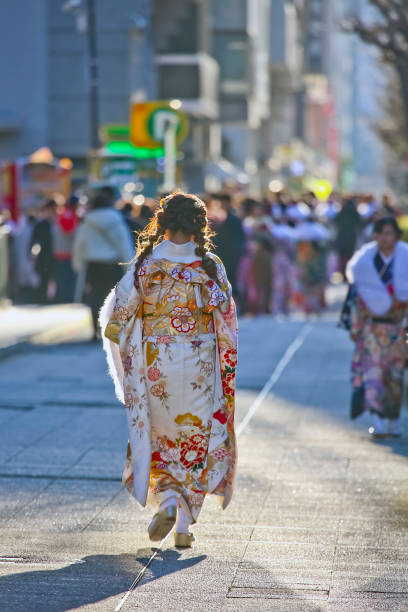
(279, 252)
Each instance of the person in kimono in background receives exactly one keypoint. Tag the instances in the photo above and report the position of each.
(174, 320)
(283, 265)
(312, 239)
(255, 269)
(376, 315)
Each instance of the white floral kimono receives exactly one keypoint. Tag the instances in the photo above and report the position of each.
(174, 369)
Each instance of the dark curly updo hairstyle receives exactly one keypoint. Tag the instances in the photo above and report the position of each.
(178, 212)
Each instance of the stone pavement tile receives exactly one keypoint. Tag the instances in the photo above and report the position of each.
(290, 555)
(259, 577)
(370, 486)
(202, 601)
(358, 586)
(96, 462)
(66, 506)
(264, 451)
(315, 535)
(365, 560)
(266, 592)
(8, 414)
(121, 514)
(236, 604)
(16, 493)
(26, 470)
(91, 426)
(312, 511)
(374, 532)
(7, 451)
(210, 532)
(308, 522)
(34, 425)
(306, 489)
(52, 457)
(313, 461)
(386, 468)
(381, 603)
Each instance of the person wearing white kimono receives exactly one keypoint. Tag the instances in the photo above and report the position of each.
(170, 335)
(375, 313)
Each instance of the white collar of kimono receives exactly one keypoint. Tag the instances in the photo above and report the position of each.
(177, 253)
(362, 272)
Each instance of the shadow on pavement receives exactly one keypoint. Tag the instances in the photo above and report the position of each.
(90, 580)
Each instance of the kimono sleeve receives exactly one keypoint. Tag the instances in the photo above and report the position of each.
(127, 302)
(222, 295)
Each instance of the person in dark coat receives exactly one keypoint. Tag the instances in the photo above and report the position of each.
(230, 238)
(43, 247)
(348, 227)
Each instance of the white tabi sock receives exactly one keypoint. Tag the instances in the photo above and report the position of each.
(183, 523)
(168, 498)
(378, 427)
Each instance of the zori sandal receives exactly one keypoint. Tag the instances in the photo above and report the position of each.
(183, 540)
(162, 523)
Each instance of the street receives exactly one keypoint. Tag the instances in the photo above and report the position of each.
(317, 523)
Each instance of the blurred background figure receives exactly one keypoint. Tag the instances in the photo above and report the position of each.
(23, 278)
(388, 208)
(102, 241)
(255, 270)
(229, 239)
(43, 249)
(64, 234)
(312, 241)
(284, 265)
(348, 227)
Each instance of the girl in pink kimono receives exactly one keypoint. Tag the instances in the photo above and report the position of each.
(171, 341)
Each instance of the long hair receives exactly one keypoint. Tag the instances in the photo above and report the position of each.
(178, 212)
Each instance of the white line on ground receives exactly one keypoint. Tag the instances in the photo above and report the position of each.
(275, 376)
(140, 575)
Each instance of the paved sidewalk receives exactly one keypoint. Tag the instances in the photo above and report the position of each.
(21, 325)
(318, 522)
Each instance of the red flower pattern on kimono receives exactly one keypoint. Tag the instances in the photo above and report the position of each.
(231, 357)
(220, 416)
(193, 451)
(182, 319)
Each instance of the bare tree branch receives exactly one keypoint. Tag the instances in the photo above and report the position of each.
(389, 33)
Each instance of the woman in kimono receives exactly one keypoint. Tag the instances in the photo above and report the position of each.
(171, 340)
(283, 265)
(375, 313)
(312, 238)
(255, 269)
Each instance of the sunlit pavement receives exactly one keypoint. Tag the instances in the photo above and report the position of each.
(20, 325)
(318, 521)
